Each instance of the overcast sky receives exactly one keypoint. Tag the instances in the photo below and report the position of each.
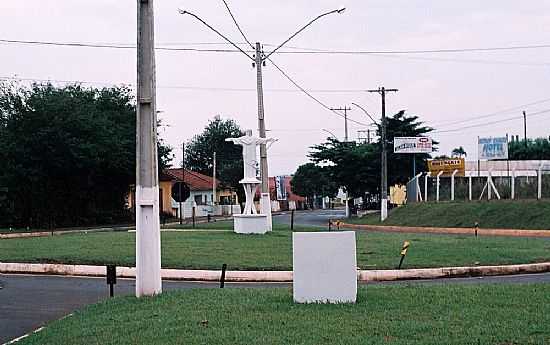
(193, 87)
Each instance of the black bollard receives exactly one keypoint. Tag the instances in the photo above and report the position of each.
(111, 279)
(222, 277)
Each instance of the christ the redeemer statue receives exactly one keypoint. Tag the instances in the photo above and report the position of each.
(250, 181)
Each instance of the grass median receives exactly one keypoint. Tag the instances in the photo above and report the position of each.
(204, 249)
(401, 314)
(504, 214)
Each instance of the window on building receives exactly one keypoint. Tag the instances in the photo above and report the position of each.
(198, 199)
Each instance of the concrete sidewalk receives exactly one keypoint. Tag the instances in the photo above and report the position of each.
(442, 230)
(276, 276)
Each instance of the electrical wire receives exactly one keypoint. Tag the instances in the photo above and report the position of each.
(504, 111)
(302, 51)
(492, 122)
(311, 96)
(237, 24)
(181, 87)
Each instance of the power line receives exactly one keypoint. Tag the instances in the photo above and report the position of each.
(182, 87)
(311, 96)
(504, 111)
(492, 122)
(237, 24)
(302, 51)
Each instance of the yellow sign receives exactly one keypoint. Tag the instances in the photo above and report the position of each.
(406, 245)
(447, 166)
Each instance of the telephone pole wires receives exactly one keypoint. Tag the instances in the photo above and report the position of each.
(384, 169)
(259, 61)
(345, 110)
(148, 279)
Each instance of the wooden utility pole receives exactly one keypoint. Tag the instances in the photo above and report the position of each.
(525, 128)
(264, 174)
(384, 169)
(148, 279)
(345, 110)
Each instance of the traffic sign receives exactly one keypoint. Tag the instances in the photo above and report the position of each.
(185, 191)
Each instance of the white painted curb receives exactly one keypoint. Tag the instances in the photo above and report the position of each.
(275, 276)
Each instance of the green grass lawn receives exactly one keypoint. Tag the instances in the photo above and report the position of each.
(401, 314)
(495, 214)
(209, 249)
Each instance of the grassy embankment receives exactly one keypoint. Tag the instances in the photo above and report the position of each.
(203, 249)
(507, 214)
(401, 314)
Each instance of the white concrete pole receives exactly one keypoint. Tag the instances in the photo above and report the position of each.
(470, 187)
(539, 183)
(453, 185)
(426, 186)
(489, 187)
(418, 191)
(148, 279)
(437, 186)
(214, 182)
(513, 186)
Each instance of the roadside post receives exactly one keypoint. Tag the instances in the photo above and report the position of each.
(476, 228)
(404, 249)
(193, 216)
(292, 220)
(329, 224)
(222, 277)
(111, 279)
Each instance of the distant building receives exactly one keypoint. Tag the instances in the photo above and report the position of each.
(201, 194)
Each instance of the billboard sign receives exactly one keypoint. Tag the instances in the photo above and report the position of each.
(412, 145)
(447, 166)
(493, 148)
(280, 187)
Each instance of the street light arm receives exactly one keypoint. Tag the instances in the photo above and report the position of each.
(216, 31)
(302, 29)
(366, 112)
(329, 132)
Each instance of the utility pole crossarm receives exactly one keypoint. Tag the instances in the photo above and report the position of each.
(345, 110)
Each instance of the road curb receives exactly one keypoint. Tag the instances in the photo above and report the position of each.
(275, 276)
(451, 231)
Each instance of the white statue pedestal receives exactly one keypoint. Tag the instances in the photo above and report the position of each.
(250, 224)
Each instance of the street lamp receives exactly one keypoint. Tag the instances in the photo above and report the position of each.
(258, 61)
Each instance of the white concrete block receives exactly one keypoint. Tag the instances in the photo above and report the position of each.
(325, 267)
(250, 223)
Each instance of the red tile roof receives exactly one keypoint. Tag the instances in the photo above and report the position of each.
(195, 180)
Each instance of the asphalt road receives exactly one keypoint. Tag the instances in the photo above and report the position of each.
(310, 217)
(28, 302)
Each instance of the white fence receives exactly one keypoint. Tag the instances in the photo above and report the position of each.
(425, 187)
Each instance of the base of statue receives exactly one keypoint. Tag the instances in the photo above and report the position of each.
(250, 223)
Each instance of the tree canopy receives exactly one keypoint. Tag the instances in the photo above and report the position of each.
(532, 150)
(311, 180)
(199, 152)
(68, 154)
(356, 166)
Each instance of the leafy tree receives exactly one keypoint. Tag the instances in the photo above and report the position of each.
(459, 152)
(356, 166)
(199, 153)
(68, 153)
(311, 180)
(533, 150)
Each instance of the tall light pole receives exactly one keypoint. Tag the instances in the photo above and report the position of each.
(384, 169)
(258, 61)
(148, 278)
